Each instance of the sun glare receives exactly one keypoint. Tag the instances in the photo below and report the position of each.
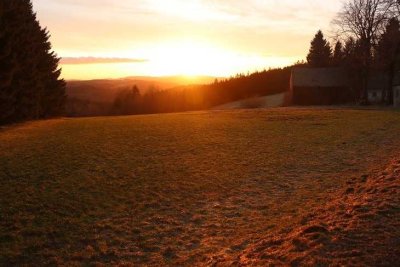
(189, 58)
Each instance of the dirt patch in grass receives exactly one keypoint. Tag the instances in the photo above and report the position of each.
(359, 227)
(178, 189)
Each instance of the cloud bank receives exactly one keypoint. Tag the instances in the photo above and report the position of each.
(98, 60)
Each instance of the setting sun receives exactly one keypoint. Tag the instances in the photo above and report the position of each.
(196, 58)
(176, 37)
(186, 57)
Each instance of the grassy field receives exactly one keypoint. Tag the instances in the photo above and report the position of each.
(175, 189)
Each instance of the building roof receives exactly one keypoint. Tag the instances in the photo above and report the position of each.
(319, 77)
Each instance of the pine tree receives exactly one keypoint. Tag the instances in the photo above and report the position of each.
(353, 54)
(338, 54)
(353, 61)
(8, 60)
(53, 99)
(349, 48)
(320, 52)
(30, 82)
(386, 51)
(127, 102)
(388, 44)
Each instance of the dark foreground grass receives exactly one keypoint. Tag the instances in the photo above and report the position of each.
(175, 189)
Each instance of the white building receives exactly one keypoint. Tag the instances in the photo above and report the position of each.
(378, 84)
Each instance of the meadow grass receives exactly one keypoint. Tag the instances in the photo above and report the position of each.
(175, 189)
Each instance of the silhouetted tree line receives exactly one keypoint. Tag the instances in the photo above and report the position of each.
(350, 53)
(368, 33)
(30, 87)
(198, 97)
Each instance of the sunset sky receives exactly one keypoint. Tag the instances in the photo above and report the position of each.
(110, 39)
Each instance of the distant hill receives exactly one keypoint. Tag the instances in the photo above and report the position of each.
(96, 97)
(171, 94)
(105, 91)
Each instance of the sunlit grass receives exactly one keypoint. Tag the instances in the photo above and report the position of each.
(175, 189)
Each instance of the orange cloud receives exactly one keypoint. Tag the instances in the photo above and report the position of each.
(97, 60)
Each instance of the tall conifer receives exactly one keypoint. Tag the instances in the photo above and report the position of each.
(388, 44)
(30, 84)
(338, 54)
(8, 60)
(320, 52)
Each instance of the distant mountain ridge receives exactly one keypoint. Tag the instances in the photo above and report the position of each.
(105, 90)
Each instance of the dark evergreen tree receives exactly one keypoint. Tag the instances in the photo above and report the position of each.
(338, 54)
(349, 48)
(353, 54)
(30, 82)
(385, 53)
(320, 52)
(127, 102)
(353, 61)
(387, 45)
(9, 29)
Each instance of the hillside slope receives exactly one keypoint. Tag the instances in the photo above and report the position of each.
(105, 91)
(195, 189)
(360, 226)
(271, 101)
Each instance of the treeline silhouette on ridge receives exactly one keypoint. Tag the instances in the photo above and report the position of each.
(133, 100)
